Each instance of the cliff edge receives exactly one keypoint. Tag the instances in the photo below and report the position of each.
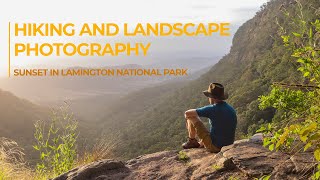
(245, 159)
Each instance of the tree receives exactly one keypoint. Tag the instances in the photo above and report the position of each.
(299, 104)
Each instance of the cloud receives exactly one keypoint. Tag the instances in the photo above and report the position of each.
(203, 7)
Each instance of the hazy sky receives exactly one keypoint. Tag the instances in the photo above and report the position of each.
(130, 11)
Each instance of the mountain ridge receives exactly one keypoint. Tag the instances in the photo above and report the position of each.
(257, 59)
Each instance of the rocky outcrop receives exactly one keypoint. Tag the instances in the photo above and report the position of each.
(245, 159)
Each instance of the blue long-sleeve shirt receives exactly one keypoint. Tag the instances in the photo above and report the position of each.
(223, 122)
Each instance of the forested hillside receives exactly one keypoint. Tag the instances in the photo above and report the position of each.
(17, 119)
(256, 60)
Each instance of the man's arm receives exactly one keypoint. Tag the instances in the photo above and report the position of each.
(190, 113)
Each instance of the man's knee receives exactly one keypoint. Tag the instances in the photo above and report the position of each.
(193, 120)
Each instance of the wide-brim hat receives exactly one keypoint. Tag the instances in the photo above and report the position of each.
(216, 91)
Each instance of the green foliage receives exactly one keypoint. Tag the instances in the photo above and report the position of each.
(233, 178)
(56, 142)
(182, 156)
(300, 108)
(264, 177)
(216, 167)
(293, 101)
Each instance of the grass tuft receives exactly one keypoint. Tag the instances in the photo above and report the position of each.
(12, 163)
(102, 149)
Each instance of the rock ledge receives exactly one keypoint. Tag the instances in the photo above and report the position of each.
(245, 159)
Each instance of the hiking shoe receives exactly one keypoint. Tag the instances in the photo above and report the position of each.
(191, 143)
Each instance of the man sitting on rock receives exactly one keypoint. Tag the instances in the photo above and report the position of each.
(222, 120)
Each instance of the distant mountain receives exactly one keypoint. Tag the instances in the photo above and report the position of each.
(257, 59)
(17, 117)
(52, 90)
(93, 107)
(48, 90)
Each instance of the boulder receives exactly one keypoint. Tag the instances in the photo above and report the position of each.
(104, 169)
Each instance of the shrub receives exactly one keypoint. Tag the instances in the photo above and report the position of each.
(299, 104)
(182, 156)
(56, 143)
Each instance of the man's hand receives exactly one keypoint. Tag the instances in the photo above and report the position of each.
(190, 113)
